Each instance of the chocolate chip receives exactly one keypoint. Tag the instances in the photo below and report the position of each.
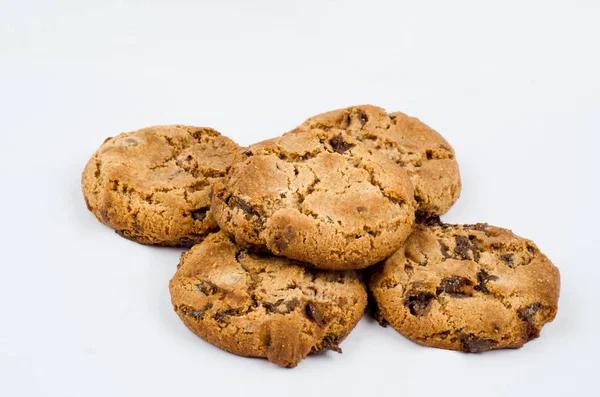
(186, 242)
(418, 303)
(137, 227)
(292, 304)
(221, 316)
(188, 311)
(392, 116)
(483, 277)
(361, 209)
(104, 215)
(248, 209)
(315, 314)
(243, 205)
(429, 154)
(272, 307)
(526, 313)
(209, 288)
(454, 285)
(532, 249)
(463, 246)
(200, 213)
(282, 241)
(330, 342)
(482, 227)
(338, 144)
(507, 258)
(427, 219)
(473, 344)
(362, 116)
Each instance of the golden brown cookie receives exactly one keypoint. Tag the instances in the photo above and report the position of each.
(467, 287)
(152, 185)
(264, 306)
(421, 151)
(319, 197)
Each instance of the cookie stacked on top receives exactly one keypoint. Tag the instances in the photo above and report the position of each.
(285, 233)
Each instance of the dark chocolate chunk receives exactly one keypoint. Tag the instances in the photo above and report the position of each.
(331, 342)
(362, 116)
(282, 241)
(507, 258)
(209, 288)
(186, 242)
(188, 311)
(481, 227)
(532, 249)
(483, 277)
(463, 246)
(200, 213)
(272, 307)
(292, 304)
(338, 144)
(526, 314)
(315, 314)
(455, 285)
(428, 219)
(222, 315)
(473, 344)
(244, 206)
(418, 302)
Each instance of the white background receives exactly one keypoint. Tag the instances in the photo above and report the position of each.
(513, 85)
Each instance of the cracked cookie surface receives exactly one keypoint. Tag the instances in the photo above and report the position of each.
(316, 196)
(259, 305)
(471, 288)
(422, 152)
(152, 185)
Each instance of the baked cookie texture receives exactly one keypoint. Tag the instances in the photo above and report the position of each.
(152, 185)
(471, 288)
(317, 196)
(260, 305)
(422, 152)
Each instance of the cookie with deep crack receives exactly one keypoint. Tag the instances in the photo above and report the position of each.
(316, 196)
(259, 305)
(421, 151)
(471, 288)
(153, 185)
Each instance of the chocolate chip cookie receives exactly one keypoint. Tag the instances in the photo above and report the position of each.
(318, 196)
(152, 185)
(466, 287)
(258, 305)
(421, 151)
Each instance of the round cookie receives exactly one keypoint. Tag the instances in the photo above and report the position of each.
(153, 185)
(471, 288)
(316, 196)
(421, 151)
(264, 306)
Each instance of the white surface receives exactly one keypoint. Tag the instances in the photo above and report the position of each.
(514, 87)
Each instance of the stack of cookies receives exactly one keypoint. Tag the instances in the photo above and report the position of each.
(291, 237)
